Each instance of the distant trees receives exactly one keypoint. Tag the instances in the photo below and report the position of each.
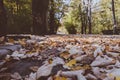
(19, 18)
(3, 19)
(89, 16)
(55, 7)
(52, 25)
(114, 18)
(42, 17)
(71, 19)
(94, 15)
(86, 16)
(83, 16)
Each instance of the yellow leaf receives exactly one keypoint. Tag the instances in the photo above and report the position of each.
(50, 61)
(110, 75)
(22, 42)
(117, 78)
(76, 68)
(71, 63)
(11, 40)
(81, 67)
(60, 78)
(107, 47)
(64, 55)
(29, 52)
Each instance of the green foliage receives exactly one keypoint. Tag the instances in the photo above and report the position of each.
(20, 20)
(70, 25)
(55, 14)
(70, 28)
(71, 19)
(101, 15)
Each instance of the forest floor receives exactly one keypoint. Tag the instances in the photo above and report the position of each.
(60, 57)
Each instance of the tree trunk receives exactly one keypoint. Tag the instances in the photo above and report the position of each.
(40, 16)
(89, 16)
(85, 23)
(81, 18)
(52, 18)
(82, 24)
(83, 14)
(114, 18)
(3, 19)
(86, 19)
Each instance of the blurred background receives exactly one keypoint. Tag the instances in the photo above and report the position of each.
(43, 17)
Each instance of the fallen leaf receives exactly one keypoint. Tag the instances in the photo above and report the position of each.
(11, 40)
(16, 76)
(34, 68)
(118, 78)
(71, 63)
(65, 55)
(60, 78)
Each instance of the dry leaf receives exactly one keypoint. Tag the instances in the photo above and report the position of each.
(60, 78)
(65, 55)
(71, 63)
(11, 40)
(16, 76)
(117, 78)
(34, 68)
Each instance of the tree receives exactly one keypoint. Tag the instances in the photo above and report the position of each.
(89, 16)
(114, 18)
(40, 16)
(83, 10)
(53, 20)
(71, 20)
(52, 17)
(56, 12)
(3, 19)
(19, 18)
(81, 13)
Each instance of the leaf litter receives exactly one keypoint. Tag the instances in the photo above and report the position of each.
(61, 57)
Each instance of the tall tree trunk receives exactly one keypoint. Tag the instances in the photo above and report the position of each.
(40, 16)
(82, 24)
(83, 14)
(52, 18)
(89, 16)
(3, 19)
(81, 18)
(86, 19)
(85, 23)
(114, 18)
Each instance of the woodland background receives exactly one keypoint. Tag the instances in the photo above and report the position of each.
(59, 16)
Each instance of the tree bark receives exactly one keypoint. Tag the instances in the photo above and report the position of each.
(89, 17)
(52, 18)
(40, 16)
(114, 18)
(81, 18)
(3, 19)
(83, 14)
